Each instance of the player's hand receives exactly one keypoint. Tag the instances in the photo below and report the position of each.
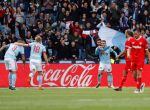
(117, 58)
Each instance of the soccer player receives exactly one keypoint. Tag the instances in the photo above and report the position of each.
(127, 69)
(105, 65)
(37, 49)
(139, 48)
(10, 61)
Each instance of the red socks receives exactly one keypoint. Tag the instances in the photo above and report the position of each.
(139, 81)
(123, 81)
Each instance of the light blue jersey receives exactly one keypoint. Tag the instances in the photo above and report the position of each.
(36, 51)
(104, 54)
(13, 51)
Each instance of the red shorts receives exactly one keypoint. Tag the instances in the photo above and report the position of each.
(137, 64)
(128, 66)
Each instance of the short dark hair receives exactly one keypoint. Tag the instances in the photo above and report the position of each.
(129, 32)
(98, 39)
(103, 40)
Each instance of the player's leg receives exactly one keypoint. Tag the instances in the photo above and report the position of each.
(123, 80)
(40, 75)
(13, 80)
(139, 78)
(12, 67)
(139, 86)
(14, 76)
(7, 66)
(10, 79)
(32, 71)
(40, 80)
(134, 72)
(100, 74)
(108, 69)
(110, 79)
(125, 73)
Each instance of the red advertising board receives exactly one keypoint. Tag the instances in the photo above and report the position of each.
(70, 75)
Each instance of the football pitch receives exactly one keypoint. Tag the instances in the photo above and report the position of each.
(73, 99)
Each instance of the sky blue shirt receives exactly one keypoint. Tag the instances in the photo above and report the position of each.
(13, 51)
(104, 58)
(36, 51)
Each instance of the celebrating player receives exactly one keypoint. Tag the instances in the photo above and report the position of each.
(105, 65)
(139, 47)
(10, 61)
(129, 36)
(36, 58)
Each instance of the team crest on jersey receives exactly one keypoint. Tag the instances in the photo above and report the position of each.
(140, 43)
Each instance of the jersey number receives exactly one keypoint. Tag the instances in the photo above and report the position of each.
(36, 49)
(14, 48)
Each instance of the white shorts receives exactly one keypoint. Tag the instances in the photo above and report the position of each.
(10, 64)
(35, 65)
(105, 67)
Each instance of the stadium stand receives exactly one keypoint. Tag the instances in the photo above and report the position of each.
(61, 23)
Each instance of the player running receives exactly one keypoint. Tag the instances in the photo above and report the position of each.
(10, 61)
(37, 49)
(127, 69)
(105, 64)
(139, 47)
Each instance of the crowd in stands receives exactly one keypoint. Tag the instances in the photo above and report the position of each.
(60, 23)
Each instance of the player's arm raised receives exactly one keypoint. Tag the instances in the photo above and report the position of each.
(3, 47)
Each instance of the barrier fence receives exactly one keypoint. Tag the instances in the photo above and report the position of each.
(70, 75)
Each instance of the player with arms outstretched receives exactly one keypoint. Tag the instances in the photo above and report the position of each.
(37, 49)
(10, 61)
(105, 64)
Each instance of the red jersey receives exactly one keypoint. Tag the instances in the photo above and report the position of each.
(128, 61)
(138, 47)
(127, 46)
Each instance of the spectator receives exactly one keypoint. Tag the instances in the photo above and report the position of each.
(19, 15)
(48, 6)
(63, 50)
(123, 22)
(74, 51)
(90, 44)
(96, 6)
(2, 13)
(61, 22)
(114, 16)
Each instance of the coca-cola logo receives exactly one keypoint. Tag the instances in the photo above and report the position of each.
(75, 75)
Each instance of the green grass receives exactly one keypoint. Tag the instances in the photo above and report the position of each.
(73, 99)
